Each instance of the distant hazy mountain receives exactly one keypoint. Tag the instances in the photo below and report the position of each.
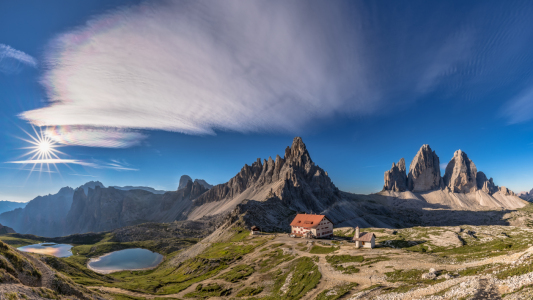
(105, 209)
(528, 196)
(186, 178)
(9, 205)
(44, 215)
(144, 188)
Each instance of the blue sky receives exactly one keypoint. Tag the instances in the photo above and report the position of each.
(140, 93)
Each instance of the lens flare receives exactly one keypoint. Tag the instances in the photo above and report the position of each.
(42, 150)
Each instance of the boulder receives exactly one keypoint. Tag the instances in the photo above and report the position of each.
(424, 171)
(396, 177)
(460, 174)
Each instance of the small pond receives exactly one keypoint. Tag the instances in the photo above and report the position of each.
(58, 250)
(128, 259)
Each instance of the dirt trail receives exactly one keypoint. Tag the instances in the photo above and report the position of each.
(47, 273)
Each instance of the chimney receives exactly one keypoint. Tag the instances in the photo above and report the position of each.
(357, 232)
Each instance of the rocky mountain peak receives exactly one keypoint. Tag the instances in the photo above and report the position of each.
(396, 177)
(424, 171)
(460, 175)
(297, 154)
(92, 185)
(183, 181)
(294, 179)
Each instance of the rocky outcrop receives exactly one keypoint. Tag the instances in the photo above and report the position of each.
(5, 229)
(486, 185)
(185, 178)
(396, 177)
(506, 192)
(460, 175)
(183, 181)
(424, 171)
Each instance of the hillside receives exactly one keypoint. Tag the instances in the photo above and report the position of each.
(25, 276)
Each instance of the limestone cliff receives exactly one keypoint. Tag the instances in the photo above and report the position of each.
(424, 171)
(486, 185)
(396, 177)
(460, 175)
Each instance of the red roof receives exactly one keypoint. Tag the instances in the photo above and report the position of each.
(308, 221)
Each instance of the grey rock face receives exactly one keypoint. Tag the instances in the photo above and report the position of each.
(186, 178)
(396, 177)
(183, 181)
(424, 171)
(305, 187)
(460, 175)
(484, 184)
(204, 183)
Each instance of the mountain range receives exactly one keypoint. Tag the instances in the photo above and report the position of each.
(528, 196)
(462, 186)
(268, 193)
(9, 205)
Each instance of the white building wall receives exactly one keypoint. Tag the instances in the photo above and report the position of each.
(324, 229)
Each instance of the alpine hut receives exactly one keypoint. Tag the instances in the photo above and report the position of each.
(310, 225)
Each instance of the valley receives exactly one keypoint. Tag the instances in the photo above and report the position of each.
(457, 262)
(457, 236)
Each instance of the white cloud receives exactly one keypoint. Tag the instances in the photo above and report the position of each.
(247, 66)
(193, 68)
(11, 59)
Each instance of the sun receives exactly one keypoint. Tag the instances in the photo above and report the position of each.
(44, 147)
(42, 150)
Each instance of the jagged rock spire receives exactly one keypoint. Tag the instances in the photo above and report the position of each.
(485, 184)
(460, 175)
(424, 171)
(396, 177)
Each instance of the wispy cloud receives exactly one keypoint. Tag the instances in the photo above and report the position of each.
(199, 66)
(83, 175)
(94, 137)
(94, 164)
(520, 108)
(11, 60)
